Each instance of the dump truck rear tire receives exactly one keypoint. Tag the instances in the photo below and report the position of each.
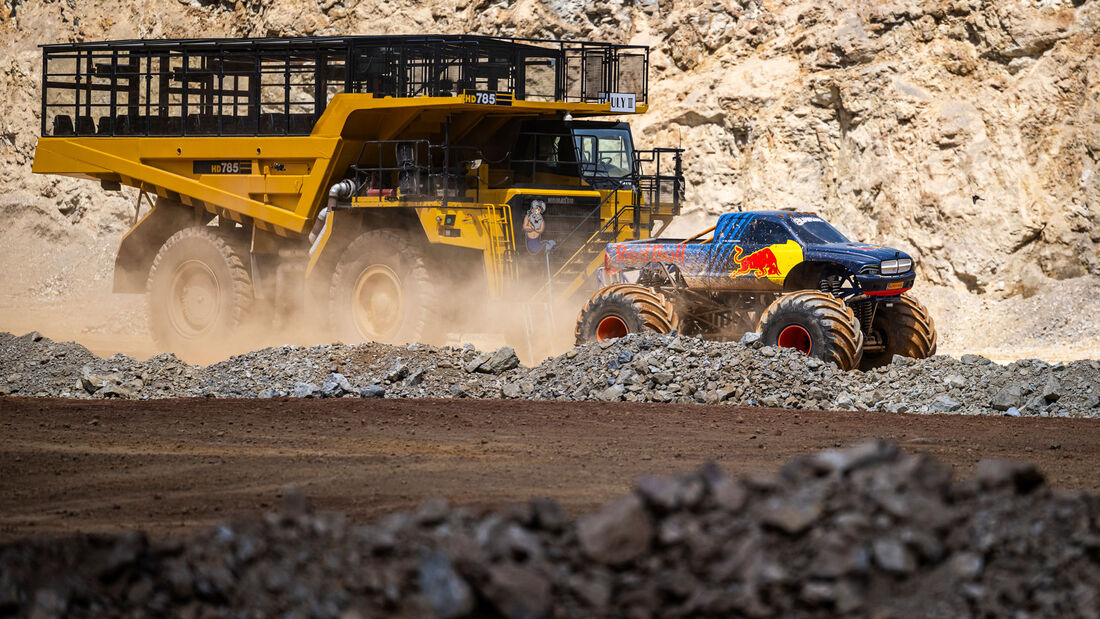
(817, 323)
(905, 328)
(625, 308)
(199, 292)
(382, 290)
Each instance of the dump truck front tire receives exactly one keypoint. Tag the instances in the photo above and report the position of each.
(199, 293)
(905, 328)
(625, 308)
(817, 323)
(382, 291)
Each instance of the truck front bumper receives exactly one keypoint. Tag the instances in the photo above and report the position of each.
(886, 285)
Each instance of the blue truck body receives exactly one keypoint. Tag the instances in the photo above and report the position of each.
(768, 251)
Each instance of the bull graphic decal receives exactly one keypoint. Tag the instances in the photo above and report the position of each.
(774, 261)
(760, 263)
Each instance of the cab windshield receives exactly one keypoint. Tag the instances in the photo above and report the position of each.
(815, 231)
(604, 152)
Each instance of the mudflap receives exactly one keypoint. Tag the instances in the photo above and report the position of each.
(140, 245)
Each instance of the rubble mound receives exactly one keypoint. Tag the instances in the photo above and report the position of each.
(649, 368)
(653, 367)
(867, 530)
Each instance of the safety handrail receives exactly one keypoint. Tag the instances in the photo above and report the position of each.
(602, 230)
(594, 212)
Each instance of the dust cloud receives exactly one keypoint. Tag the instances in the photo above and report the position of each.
(56, 278)
(65, 293)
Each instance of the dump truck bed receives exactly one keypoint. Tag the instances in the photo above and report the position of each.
(260, 128)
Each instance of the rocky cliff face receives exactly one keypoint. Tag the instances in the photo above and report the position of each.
(965, 131)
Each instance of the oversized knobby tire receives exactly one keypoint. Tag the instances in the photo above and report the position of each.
(817, 323)
(199, 294)
(625, 308)
(383, 290)
(905, 328)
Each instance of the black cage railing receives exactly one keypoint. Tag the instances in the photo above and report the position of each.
(659, 175)
(282, 86)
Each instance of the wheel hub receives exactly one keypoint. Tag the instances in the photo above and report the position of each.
(378, 302)
(193, 309)
(796, 337)
(610, 328)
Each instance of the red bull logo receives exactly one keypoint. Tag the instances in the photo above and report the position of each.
(773, 262)
(633, 254)
(760, 263)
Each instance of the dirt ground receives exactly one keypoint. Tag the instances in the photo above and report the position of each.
(166, 466)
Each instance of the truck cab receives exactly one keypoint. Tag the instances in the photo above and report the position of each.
(574, 153)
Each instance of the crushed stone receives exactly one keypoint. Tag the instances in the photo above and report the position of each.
(863, 531)
(650, 368)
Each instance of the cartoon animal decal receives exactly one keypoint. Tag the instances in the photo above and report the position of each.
(773, 262)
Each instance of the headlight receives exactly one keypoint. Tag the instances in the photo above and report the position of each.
(895, 267)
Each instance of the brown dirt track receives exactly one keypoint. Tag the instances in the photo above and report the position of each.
(169, 465)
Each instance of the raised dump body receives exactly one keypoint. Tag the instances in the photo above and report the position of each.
(449, 157)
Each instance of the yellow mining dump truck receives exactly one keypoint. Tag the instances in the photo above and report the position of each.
(384, 187)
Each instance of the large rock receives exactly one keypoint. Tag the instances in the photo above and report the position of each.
(335, 385)
(306, 390)
(518, 592)
(92, 381)
(372, 391)
(447, 593)
(891, 555)
(398, 371)
(1010, 396)
(945, 404)
(855, 457)
(618, 533)
(793, 514)
(614, 393)
(1052, 389)
(502, 360)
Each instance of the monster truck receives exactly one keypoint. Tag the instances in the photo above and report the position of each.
(790, 276)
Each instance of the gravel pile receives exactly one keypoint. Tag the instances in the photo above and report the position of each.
(654, 368)
(866, 531)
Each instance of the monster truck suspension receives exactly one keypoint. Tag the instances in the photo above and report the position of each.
(839, 283)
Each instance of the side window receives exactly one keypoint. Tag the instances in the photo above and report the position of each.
(548, 148)
(523, 158)
(764, 232)
(588, 149)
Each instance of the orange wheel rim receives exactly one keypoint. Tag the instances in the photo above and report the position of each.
(796, 337)
(611, 328)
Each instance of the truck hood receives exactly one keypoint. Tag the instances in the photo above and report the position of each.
(854, 253)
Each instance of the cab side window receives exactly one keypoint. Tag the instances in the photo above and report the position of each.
(548, 149)
(764, 232)
(540, 152)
